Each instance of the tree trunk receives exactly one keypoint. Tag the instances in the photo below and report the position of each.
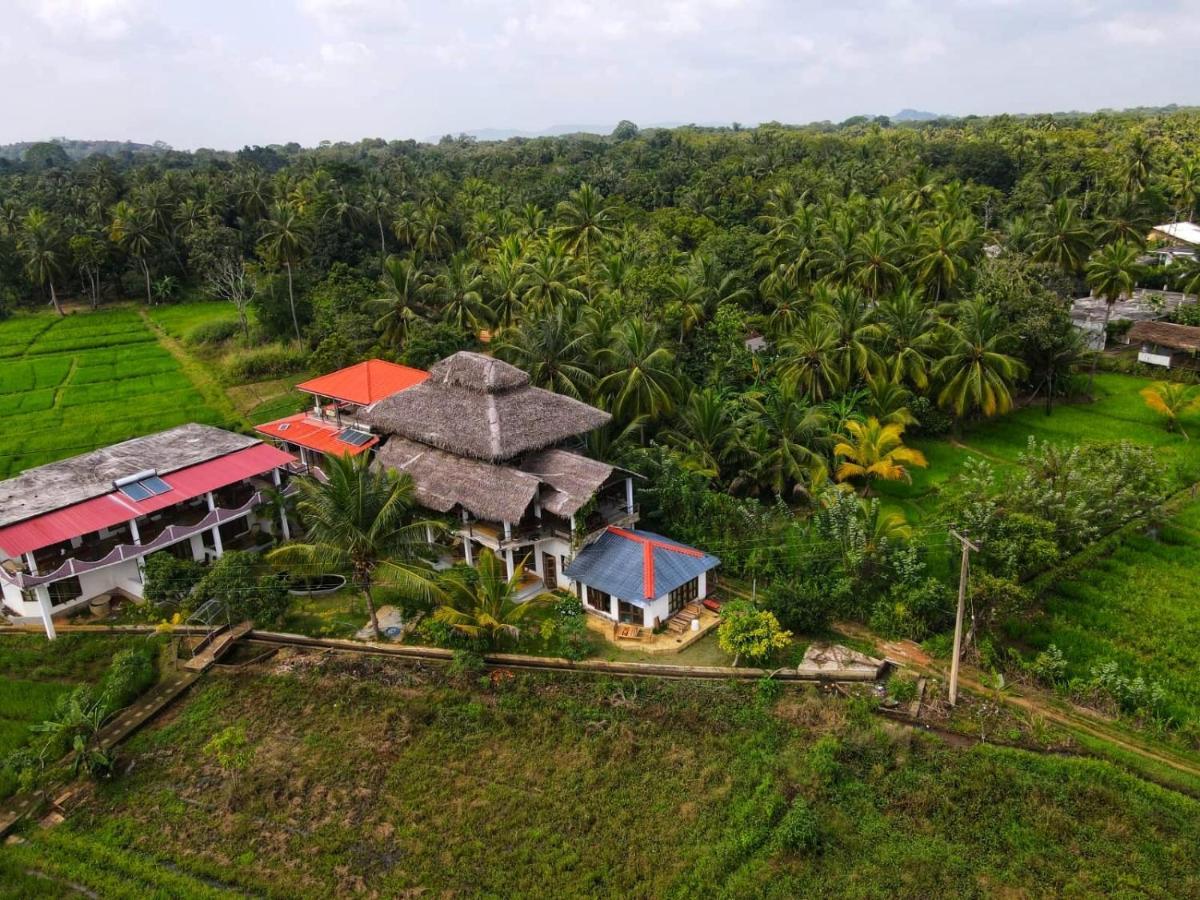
(54, 299)
(292, 304)
(245, 322)
(371, 608)
(1103, 343)
(382, 243)
(1049, 392)
(146, 271)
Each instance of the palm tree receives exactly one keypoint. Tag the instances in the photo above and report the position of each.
(133, 233)
(808, 359)
(1061, 237)
(875, 268)
(872, 450)
(377, 206)
(585, 219)
(285, 239)
(641, 379)
(362, 522)
(706, 431)
(788, 440)
(1111, 274)
(505, 282)
(554, 349)
(550, 276)
(39, 242)
(404, 283)
(1171, 399)
(687, 295)
(1186, 188)
(943, 255)
(481, 604)
(459, 288)
(431, 234)
(909, 337)
(850, 314)
(977, 372)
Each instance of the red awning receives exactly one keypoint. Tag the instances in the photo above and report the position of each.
(320, 436)
(114, 508)
(365, 382)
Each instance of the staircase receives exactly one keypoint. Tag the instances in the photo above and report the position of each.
(682, 620)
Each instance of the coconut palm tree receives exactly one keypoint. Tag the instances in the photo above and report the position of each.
(1061, 237)
(505, 282)
(376, 205)
(641, 379)
(285, 239)
(481, 604)
(585, 220)
(1111, 274)
(871, 450)
(38, 241)
(132, 231)
(875, 265)
(808, 359)
(909, 335)
(706, 431)
(554, 349)
(1186, 187)
(790, 440)
(459, 288)
(977, 371)
(404, 284)
(943, 255)
(363, 522)
(1171, 400)
(550, 275)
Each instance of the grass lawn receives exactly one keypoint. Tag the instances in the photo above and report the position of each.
(364, 776)
(179, 319)
(69, 385)
(1136, 604)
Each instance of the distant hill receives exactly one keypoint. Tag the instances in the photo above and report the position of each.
(504, 134)
(915, 115)
(79, 149)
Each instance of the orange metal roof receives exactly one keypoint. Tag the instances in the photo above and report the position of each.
(306, 432)
(364, 382)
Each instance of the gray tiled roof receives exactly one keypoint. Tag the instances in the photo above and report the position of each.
(616, 565)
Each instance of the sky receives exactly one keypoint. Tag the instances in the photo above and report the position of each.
(226, 73)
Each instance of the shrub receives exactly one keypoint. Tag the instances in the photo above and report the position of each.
(799, 829)
(260, 363)
(230, 748)
(564, 632)
(169, 579)
(215, 332)
(802, 605)
(749, 632)
(234, 581)
(1049, 667)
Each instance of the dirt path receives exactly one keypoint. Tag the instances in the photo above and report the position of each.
(1028, 700)
(214, 395)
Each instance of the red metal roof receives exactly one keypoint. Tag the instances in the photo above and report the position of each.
(320, 436)
(114, 508)
(365, 382)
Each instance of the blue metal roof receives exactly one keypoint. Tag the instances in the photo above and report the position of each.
(616, 565)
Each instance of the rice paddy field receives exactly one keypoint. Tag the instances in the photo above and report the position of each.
(69, 385)
(1136, 603)
(310, 777)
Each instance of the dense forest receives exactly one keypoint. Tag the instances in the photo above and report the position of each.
(767, 312)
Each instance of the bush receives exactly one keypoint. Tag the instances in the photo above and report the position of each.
(802, 605)
(169, 579)
(749, 632)
(799, 829)
(1049, 667)
(261, 363)
(215, 332)
(564, 632)
(234, 581)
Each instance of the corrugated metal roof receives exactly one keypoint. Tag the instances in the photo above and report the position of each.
(364, 383)
(1188, 232)
(638, 565)
(320, 436)
(113, 508)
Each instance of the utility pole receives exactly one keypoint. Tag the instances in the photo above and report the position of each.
(967, 547)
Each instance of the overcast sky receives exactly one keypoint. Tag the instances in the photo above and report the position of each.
(224, 73)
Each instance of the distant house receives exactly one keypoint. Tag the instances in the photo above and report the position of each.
(333, 426)
(503, 460)
(1165, 344)
(75, 529)
(1176, 233)
(755, 342)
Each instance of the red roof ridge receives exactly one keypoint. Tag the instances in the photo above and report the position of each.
(648, 546)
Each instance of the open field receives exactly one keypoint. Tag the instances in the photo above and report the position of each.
(1134, 604)
(69, 385)
(34, 673)
(352, 775)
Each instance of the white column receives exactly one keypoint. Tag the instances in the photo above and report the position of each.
(137, 540)
(508, 562)
(508, 531)
(703, 586)
(283, 520)
(537, 560)
(216, 529)
(43, 596)
(629, 495)
(537, 507)
(428, 535)
(467, 554)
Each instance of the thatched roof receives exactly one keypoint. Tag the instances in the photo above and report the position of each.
(569, 480)
(444, 480)
(58, 484)
(1165, 334)
(476, 406)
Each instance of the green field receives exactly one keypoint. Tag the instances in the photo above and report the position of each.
(1137, 603)
(34, 673)
(69, 385)
(180, 319)
(399, 782)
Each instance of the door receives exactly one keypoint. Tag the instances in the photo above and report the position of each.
(550, 570)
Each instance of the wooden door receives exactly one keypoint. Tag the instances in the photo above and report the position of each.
(550, 570)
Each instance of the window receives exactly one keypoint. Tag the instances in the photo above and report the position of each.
(683, 595)
(599, 600)
(65, 591)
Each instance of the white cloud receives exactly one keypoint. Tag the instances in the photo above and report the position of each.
(344, 17)
(1126, 31)
(345, 53)
(104, 20)
(922, 50)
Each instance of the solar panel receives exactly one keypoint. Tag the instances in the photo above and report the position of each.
(155, 485)
(136, 491)
(353, 436)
